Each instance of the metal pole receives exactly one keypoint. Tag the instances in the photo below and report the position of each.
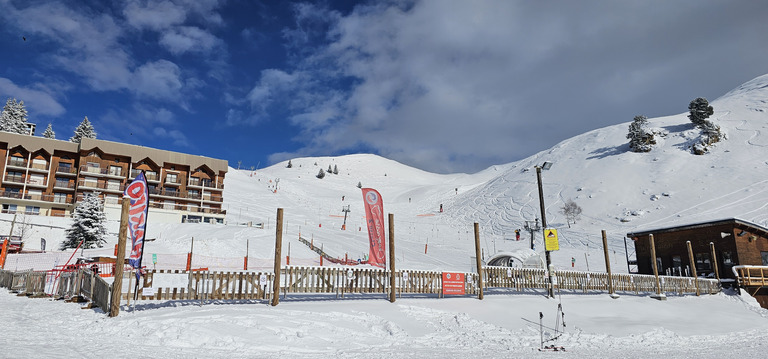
(550, 290)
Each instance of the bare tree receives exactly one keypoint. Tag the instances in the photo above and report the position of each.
(572, 211)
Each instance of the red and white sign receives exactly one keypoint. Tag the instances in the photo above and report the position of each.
(374, 219)
(453, 283)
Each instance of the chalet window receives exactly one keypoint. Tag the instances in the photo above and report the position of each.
(9, 208)
(728, 258)
(765, 258)
(32, 210)
(16, 161)
(60, 197)
(115, 170)
(702, 261)
(171, 178)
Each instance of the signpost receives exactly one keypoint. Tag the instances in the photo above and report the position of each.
(453, 283)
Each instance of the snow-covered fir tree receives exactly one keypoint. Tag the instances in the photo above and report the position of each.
(321, 174)
(330, 170)
(290, 165)
(699, 110)
(88, 224)
(83, 130)
(641, 138)
(335, 170)
(49, 132)
(14, 117)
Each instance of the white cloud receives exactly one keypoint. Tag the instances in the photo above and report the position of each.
(154, 15)
(488, 82)
(37, 102)
(178, 138)
(159, 79)
(185, 39)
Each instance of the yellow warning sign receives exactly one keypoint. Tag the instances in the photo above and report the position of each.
(550, 240)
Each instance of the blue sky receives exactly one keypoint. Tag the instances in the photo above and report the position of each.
(446, 86)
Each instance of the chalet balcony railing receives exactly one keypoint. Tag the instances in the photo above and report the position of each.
(148, 176)
(39, 166)
(102, 171)
(64, 184)
(197, 182)
(102, 185)
(171, 180)
(66, 169)
(31, 197)
(16, 162)
(15, 179)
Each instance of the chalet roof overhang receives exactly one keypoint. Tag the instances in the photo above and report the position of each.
(735, 222)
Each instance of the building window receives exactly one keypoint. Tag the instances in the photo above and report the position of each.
(151, 175)
(14, 176)
(32, 210)
(16, 161)
(36, 179)
(171, 178)
(9, 208)
(702, 261)
(60, 197)
(115, 170)
(765, 258)
(728, 258)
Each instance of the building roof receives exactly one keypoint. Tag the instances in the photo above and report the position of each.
(136, 153)
(738, 223)
(32, 143)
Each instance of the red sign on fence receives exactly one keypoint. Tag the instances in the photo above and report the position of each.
(453, 283)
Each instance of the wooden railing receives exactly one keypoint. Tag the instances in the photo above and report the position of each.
(359, 280)
(751, 276)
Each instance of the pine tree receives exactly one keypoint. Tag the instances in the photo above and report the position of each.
(330, 170)
(641, 139)
(290, 165)
(88, 224)
(359, 185)
(335, 170)
(49, 132)
(699, 110)
(321, 174)
(84, 130)
(14, 117)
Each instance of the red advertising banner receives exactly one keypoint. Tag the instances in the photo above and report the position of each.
(374, 219)
(453, 283)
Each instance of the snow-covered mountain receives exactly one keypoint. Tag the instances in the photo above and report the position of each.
(619, 191)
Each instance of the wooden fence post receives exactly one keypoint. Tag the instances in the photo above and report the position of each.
(608, 267)
(659, 295)
(117, 284)
(278, 249)
(479, 262)
(693, 266)
(714, 260)
(392, 288)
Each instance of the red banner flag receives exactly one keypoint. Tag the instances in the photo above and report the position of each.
(374, 218)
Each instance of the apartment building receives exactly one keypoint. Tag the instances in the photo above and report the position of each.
(41, 176)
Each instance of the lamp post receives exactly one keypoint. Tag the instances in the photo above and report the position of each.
(545, 166)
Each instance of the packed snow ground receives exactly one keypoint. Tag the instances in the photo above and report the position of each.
(619, 192)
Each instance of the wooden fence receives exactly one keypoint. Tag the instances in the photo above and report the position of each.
(206, 285)
(356, 280)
